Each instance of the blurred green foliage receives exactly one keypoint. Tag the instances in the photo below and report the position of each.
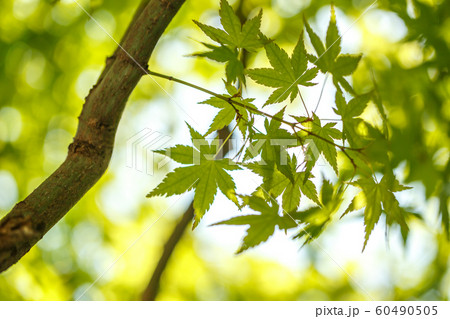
(51, 54)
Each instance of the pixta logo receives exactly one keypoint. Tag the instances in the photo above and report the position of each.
(140, 149)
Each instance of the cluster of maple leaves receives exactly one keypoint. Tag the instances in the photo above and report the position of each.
(284, 177)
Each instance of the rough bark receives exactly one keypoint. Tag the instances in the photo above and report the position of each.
(90, 152)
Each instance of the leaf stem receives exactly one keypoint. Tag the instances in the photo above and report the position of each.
(304, 104)
(321, 92)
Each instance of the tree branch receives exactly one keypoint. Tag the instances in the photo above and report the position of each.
(152, 289)
(252, 110)
(90, 152)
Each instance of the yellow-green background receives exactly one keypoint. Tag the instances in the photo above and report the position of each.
(51, 54)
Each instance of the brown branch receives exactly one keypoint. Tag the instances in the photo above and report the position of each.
(90, 152)
(152, 289)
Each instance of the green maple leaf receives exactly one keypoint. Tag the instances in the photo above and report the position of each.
(328, 57)
(322, 141)
(286, 74)
(182, 154)
(292, 193)
(275, 183)
(217, 53)
(273, 147)
(262, 226)
(242, 36)
(234, 37)
(230, 111)
(234, 68)
(234, 34)
(314, 220)
(379, 198)
(372, 212)
(205, 175)
(349, 113)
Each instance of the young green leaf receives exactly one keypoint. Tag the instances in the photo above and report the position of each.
(292, 193)
(215, 34)
(372, 212)
(205, 175)
(182, 154)
(346, 64)
(195, 136)
(314, 220)
(379, 197)
(234, 70)
(218, 53)
(323, 142)
(228, 112)
(232, 39)
(230, 21)
(250, 36)
(246, 36)
(287, 73)
(328, 58)
(315, 40)
(273, 146)
(276, 183)
(181, 180)
(333, 40)
(222, 119)
(262, 226)
(349, 114)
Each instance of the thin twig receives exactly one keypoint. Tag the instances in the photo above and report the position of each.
(254, 110)
(321, 92)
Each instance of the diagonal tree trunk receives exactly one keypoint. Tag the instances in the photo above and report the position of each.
(90, 152)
